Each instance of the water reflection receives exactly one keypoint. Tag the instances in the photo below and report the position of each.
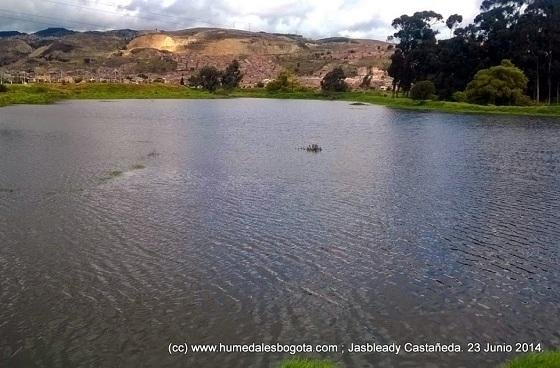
(126, 225)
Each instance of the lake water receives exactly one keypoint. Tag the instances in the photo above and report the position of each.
(128, 225)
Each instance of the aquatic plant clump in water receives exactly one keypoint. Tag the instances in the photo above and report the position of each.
(114, 173)
(111, 175)
(315, 148)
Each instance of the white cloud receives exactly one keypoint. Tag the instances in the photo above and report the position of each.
(312, 18)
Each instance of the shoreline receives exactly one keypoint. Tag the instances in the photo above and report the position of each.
(51, 93)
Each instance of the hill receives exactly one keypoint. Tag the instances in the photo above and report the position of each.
(54, 32)
(130, 55)
(4, 34)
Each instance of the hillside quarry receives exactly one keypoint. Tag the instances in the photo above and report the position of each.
(128, 56)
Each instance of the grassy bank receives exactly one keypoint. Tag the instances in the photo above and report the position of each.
(41, 94)
(306, 363)
(30, 95)
(549, 359)
(542, 360)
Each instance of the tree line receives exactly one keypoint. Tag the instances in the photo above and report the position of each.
(210, 78)
(511, 48)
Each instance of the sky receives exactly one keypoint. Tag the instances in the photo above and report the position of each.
(310, 18)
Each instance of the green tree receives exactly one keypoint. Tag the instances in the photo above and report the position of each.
(546, 15)
(459, 96)
(453, 21)
(457, 61)
(499, 85)
(209, 78)
(524, 31)
(417, 45)
(397, 70)
(423, 90)
(283, 82)
(334, 81)
(232, 76)
(194, 81)
(415, 30)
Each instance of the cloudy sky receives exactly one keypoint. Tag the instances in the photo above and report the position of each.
(311, 18)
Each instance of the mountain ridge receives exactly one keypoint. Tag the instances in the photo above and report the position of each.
(172, 55)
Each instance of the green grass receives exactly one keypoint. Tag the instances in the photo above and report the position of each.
(109, 91)
(49, 93)
(306, 363)
(549, 359)
(30, 95)
(447, 106)
(540, 360)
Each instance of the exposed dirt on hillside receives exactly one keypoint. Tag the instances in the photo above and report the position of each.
(161, 42)
(128, 55)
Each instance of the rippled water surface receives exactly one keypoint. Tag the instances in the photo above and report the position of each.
(127, 225)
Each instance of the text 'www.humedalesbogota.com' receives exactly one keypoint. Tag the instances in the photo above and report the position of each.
(186, 348)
